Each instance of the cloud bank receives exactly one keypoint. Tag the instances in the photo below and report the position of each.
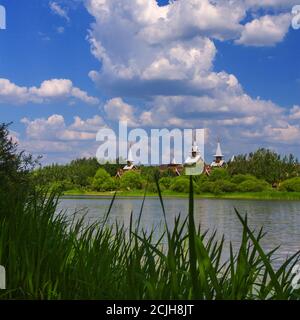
(164, 58)
(156, 66)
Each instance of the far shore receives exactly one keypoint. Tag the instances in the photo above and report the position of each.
(268, 195)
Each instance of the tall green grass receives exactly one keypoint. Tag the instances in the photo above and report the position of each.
(47, 256)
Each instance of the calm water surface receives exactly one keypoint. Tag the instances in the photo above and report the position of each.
(281, 219)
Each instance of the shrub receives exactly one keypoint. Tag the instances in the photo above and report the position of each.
(152, 187)
(182, 184)
(227, 186)
(203, 178)
(219, 174)
(216, 189)
(59, 186)
(291, 185)
(103, 181)
(165, 182)
(253, 186)
(207, 186)
(239, 178)
(131, 180)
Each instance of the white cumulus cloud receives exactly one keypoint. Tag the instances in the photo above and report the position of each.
(48, 90)
(265, 31)
(54, 128)
(116, 109)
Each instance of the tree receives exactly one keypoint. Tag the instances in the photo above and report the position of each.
(103, 181)
(78, 173)
(265, 164)
(111, 168)
(15, 181)
(81, 169)
(131, 180)
(14, 165)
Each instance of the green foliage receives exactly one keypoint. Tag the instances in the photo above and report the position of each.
(239, 178)
(227, 186)
(131, 180)
(47, 258)
(220, 182)
(291, 185)
(60, 186)
(152, 187)
(202, 178)
(15, 166)
(253, 186)
(149, 173)
(80, 170)
(207, 187)
(111, 168)
(78, 174)
(181, 184)
(165, 182)
(263, 165)
(219, 174)
(218, 187)
(103, 181)
(266, 165)
(168, 173)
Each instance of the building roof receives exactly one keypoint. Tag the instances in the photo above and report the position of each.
(131, 167)
(219, 151)
(219, 164)
(174, 162)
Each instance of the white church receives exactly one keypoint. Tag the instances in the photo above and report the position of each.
(193, 163)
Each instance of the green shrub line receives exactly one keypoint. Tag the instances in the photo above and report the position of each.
(260, 171)
(219, 183)
(50, 256)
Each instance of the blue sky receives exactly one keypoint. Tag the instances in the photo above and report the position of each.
(68, 67)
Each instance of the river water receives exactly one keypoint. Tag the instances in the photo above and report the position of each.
(280, 219)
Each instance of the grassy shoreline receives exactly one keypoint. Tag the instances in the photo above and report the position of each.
(268, 195)
(49, 257)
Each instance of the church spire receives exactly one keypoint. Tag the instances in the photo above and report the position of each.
(195, 148)
(218, 161)
(219, 151)
(130, 156)
(130, 161)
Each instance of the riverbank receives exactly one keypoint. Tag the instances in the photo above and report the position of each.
(267, 195)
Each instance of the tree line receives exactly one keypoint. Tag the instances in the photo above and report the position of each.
(262, 170)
